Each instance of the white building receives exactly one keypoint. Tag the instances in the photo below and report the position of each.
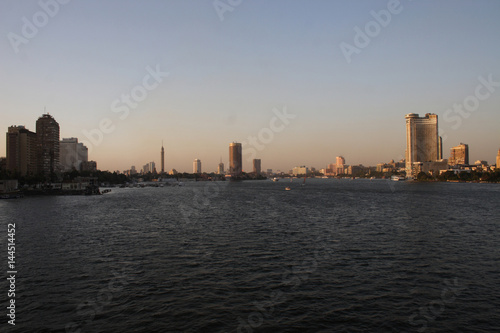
(301, 170)
(197, 166)
(220, 168)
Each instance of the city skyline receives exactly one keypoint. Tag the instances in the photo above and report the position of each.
(201, 82)
(424, 144)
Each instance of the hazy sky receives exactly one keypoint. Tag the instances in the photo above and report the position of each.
(229, 68)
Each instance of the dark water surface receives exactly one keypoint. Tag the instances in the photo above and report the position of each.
(330, 256)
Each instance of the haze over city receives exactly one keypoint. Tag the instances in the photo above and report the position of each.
(231, 71)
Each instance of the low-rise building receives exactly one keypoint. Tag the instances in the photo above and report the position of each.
(301, 170)
(88, 166)
(8, 185)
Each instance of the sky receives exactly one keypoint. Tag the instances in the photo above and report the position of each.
(297, 82)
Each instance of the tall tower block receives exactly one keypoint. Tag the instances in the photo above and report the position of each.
(235, 159)
(47, 133)
(162, 158)
(422, 140)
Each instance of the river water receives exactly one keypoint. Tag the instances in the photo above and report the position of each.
(330, 256)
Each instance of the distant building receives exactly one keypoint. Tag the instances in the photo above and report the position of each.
(133, 171)
(88, 166)
(197, 166)
(498, 159)
(220, 168)
(356, 169)
(301, 170)
(257, 166)
(47, 133)
(433, 168)
(72, 154)
(459, 155)
(329, 172)
(3, 163)
(162, 159)
(340, 165)
(440, 148)
(21, 151)
(422, 141)
(235, 159)
(173, 172)
(8, 185)
(149, 167)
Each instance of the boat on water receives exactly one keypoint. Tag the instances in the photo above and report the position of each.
(397, 178)
(275, 179)
(288, 188)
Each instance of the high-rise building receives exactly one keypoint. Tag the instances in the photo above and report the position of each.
(220, 168)
(162, 159)
(422, 140)
(149, 167)
(72, 154)
(498, 160)
(235, 159)
(459, 155)
(47, 132)
(21, 151)
(197, 166)
(440, 149)
(340, 165)
(3, 164)
(257, 166)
